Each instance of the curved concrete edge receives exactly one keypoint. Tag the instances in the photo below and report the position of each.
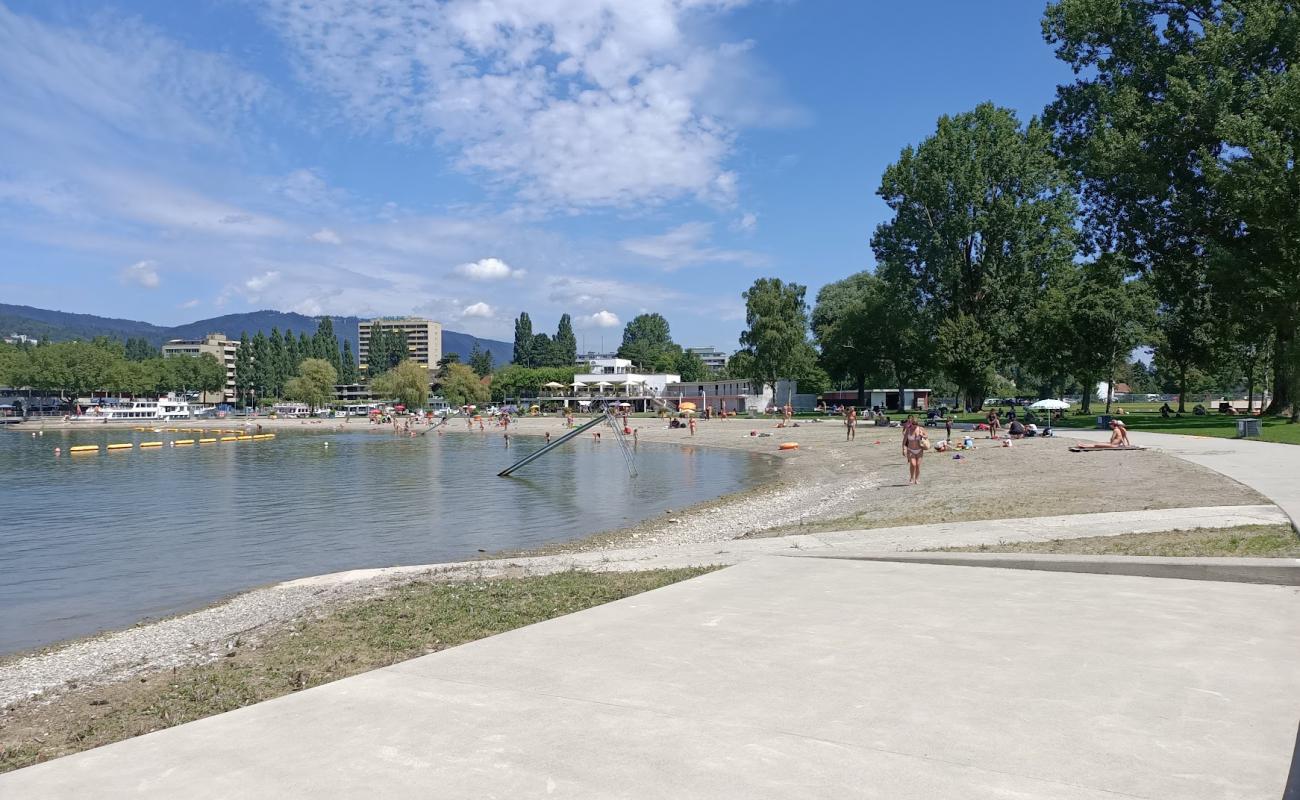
(1276, 571)
(1267, 467)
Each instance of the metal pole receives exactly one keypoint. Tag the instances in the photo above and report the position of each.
(548, 448)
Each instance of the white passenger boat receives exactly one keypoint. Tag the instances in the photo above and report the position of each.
(142, 410)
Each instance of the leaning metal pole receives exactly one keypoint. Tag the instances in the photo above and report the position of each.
(548, 448)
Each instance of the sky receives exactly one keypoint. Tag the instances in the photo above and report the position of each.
(467, 161)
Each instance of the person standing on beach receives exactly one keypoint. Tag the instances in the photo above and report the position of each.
(850, 423)
(947, 427)
(692, 424)
(915, 443)
(994, 423)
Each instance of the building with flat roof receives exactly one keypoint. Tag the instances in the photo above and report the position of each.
(423, 338)
(712, 357)
(221, 348)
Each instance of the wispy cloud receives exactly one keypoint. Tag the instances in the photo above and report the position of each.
(598, 103)
(685, 245)
(142, 273)
(479, 309)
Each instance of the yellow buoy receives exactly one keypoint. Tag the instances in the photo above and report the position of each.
(180, 442)
(121, 446)
(84, 448)
(206, 441)
(244, 438)
(229, 438)
(151, 444)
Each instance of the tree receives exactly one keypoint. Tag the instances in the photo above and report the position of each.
(1181, 131)
(139, 349)
(305, 350)
(261, 375)
(407, 382)
(314, 383)
(777, 332)
(648, 343)
(565, 347)
(480, 360)
(387, 348)
(463, 386)
(982, 215)
(324, 344)
(292, 356)
(1110, 315)
(841, 329)
(542, 351)
(523, 352)
(443, 363)
(348, 372)
(243, 368)
(691, 367)
(277, 363)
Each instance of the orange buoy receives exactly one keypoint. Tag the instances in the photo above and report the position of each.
(789, 445)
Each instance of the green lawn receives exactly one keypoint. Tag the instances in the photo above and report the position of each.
(1273, 429)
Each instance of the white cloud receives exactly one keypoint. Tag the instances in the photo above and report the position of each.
(748, 222)
(142, 273)
(602, 319)
(687, 244)
(258, 283)
(592, 103)
(478, 310)
(489, 269)
(189, 303)
(327, 236)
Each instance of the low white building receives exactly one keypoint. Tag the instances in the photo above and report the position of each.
(617, 372)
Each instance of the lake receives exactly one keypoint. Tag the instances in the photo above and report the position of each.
(95, 542)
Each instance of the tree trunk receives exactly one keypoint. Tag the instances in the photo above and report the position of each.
(1284, 370)
(1250, 389)
(862, 389)
(1182, 388)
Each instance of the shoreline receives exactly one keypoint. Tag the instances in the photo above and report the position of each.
(823, 483)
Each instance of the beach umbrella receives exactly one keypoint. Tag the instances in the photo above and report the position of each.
(553, 385)
(686, 406)
(1050, 405)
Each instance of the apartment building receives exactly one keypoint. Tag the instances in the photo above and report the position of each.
(217, 345)
(423, 338)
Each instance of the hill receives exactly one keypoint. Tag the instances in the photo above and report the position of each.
(61, 325)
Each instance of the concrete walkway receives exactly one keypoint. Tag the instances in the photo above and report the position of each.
(783, 677)
(801, 677)
(1270, 468)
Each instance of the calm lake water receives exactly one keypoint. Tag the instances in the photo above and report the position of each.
(95, 542)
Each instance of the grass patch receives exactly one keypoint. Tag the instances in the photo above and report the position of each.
(411, 621)
(1272, 429)
(1245, 541)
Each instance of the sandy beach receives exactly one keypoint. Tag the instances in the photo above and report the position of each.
(825, 484)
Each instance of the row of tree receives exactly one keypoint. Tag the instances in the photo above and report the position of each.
(647, 342)
(1155, 203)
(264, 365)
(77, 369)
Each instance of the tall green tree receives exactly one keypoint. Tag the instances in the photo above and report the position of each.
(407, 382)
(691, 367)
(348, 371)
(277, 363)
(1111, 314)
(261, 375)
(565, 344)
(648, 343)
(480, 360)
(982, 215)
(776, 334)
(523, 352)
(542, 351)
(293, 354)
(243, 368)
(139, 349)
(1181, 132)
(843, 332)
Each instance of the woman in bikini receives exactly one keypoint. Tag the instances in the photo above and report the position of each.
(915, 443)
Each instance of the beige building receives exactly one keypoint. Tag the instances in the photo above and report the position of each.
(217, 345)
(423, 338)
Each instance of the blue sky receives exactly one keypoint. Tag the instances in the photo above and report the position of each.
(467, 161)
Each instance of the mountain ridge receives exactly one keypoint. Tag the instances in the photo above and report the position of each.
(63, 325)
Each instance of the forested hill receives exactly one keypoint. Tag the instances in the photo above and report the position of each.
(61, 325)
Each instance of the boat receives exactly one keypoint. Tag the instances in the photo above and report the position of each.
(165, 408)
